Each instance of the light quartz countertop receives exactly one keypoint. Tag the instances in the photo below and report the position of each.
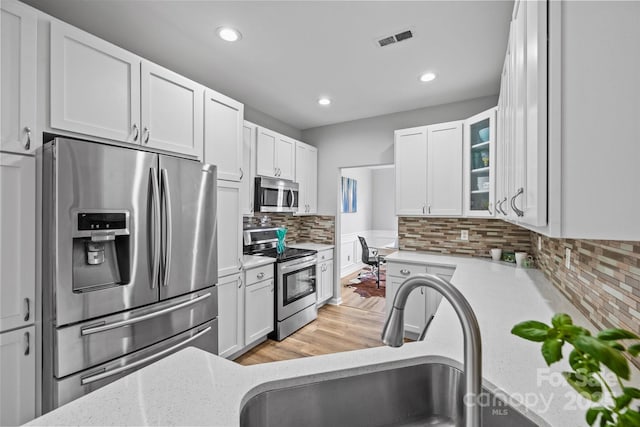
(311, 246)
(193, 387)
(253, 261)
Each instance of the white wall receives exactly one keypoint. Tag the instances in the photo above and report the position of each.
(265, 120)
(370, 141)
(354, 222)
(383, 206)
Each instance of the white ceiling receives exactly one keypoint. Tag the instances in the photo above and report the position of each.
(292, 52)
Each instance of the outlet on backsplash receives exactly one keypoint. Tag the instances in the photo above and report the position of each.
(539, 243)
(464, 235)
(567, 258)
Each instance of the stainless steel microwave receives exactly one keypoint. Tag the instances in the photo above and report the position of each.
(275, 195)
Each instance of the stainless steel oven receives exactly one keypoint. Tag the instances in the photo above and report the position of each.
(296, 286)
(275, 195)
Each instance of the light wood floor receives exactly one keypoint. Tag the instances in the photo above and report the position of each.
(338, 328)
(352, 299)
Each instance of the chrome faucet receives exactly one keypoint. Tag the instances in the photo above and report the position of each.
(393, 335)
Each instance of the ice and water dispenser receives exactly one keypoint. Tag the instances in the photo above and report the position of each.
(101, 248)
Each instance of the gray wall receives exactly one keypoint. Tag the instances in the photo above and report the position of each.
(370, 141)
(354, 222)
(383, 206)
(265, 120)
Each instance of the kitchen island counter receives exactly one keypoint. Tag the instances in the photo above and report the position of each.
(193, 387)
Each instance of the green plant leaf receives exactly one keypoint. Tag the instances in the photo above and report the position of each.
(531, 330)
(592, 414)
(616, 334)
(632, 391)
(634, 349)
(622, 401)
(552, 350)
(571, 332)
(561, 319)
(585, 384)
(616, 345)
(632, 416)
(610, 357)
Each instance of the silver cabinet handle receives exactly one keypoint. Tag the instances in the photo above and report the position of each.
(27, 309)
(27, 343)
(429, 209)
(240, 264)
(518, 212)
(169, 232)
(489, 209)
(122, 323)
(106, 374)
(405, 272)
(502, 203)
(241, 174)
(155, 200)
(239, 282)
(260, 275)
(137, 132)
(421, 291)
(27, 146)
(147, 132)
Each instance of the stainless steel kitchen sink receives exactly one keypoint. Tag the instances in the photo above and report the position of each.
(429, 394)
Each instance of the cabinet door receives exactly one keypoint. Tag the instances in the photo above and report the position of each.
(17, 246)
(326, 275)
(223, 135)
(259, 305)
(247, 181)
(95, 86)
(18, 373)
(266, 152)
(285, 157)
(480, 161)
(301, 176)
(411, 171)
(230, 315)
(172, 111)
(414, 312)
(229, 228)
(444, 169)
(18, 75)
(312, 180)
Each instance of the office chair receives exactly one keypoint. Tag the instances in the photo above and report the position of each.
(370, 257)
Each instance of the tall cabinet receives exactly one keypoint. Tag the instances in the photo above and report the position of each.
(307, 177)
(19, 139)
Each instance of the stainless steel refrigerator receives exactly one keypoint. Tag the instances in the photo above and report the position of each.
(129, 263)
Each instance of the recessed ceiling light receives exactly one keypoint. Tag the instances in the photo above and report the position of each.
(229, 34)
(427, 77)
(324, 101)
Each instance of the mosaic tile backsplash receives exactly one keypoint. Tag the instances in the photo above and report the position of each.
(442, 235)
(603, 281)
(311, 228)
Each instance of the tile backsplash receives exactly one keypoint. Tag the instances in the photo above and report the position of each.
(603, 281)
(308, 228)
(442, 235)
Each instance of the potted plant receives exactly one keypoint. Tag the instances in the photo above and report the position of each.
(588, 356)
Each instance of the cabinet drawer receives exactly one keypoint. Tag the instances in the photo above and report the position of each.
(405, 270)
(443, 272)
(325, 255)
(258, 274)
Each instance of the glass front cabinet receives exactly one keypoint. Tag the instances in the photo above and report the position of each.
(479, 161)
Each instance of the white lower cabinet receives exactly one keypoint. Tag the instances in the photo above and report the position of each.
(422, 303)
(230, 315)
(258, 310)
(18, 373)
(324, 276)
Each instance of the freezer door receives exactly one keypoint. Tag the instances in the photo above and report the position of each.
(189, 226)
(98, 230)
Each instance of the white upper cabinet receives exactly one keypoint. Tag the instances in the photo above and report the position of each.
(223, 135)
(18, 75)
(95, 86)
(479, 164)
(444, 169)
(411, 172)
(247, 182)
(229, 228)
(275, 155)
(172, 111)
(307, 177)
(18, 373)
(18, 243)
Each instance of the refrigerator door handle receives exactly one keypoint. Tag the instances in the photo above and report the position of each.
(155, 200)
(168, 224)
(106, 374)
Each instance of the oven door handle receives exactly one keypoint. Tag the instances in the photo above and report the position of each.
(297, 266)
(106, 374)
(122, 323)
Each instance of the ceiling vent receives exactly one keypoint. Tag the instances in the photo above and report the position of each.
(396, 38)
